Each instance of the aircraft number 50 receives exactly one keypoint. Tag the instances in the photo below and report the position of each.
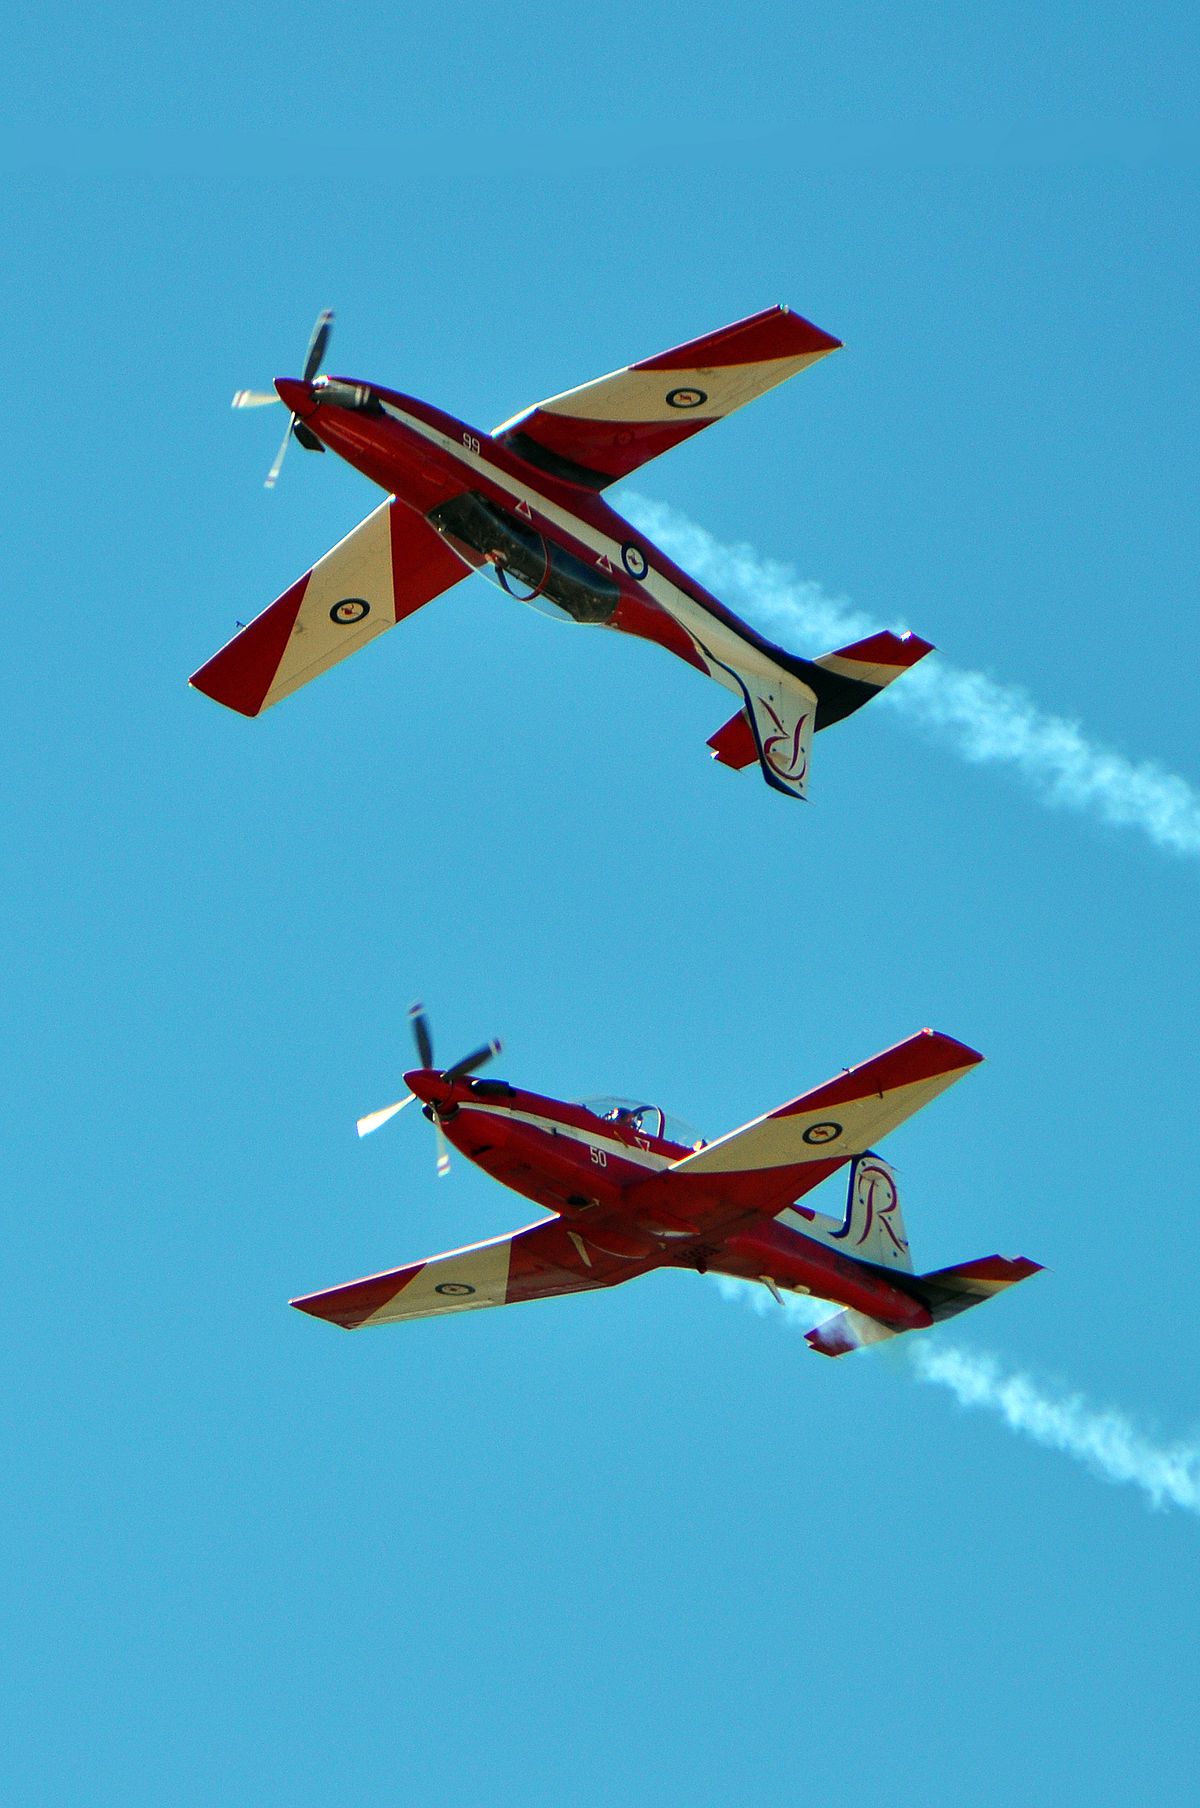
(598, 1156)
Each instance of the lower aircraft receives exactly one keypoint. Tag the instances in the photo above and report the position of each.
(632, 1191)
(523, 504)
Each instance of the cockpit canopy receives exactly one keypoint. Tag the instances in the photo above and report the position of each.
(523, 562)
(644, 1120)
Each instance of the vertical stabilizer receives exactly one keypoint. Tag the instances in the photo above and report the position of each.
(872, 1229)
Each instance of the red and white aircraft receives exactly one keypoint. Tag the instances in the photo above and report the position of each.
(631, 1192)
(523, 504)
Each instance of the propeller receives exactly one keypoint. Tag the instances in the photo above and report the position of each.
(424, 1041)
(257, 398)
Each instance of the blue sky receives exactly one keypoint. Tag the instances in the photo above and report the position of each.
(639, 1547)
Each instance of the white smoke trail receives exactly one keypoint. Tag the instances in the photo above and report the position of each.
(798, 1310)
(1105, 1440)
(983, 720)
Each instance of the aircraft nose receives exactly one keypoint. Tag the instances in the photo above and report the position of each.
(297, 395)
(426, 1083)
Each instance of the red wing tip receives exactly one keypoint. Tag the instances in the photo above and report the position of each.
(915, 647)
(227, 700)
(827, 339)
(324, 1306)
(965, 1057)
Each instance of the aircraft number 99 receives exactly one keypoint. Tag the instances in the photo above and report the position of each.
(470, 442)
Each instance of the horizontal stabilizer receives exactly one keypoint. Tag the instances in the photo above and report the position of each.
(851, 676)
(949, 1291)
(385, 569)
(946, 1293)
(734, 745)
(847, 1331)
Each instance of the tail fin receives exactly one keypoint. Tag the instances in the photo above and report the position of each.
(389, 566)
(873, 1227)
(781, 714)
(775, 727)
(946, 1292)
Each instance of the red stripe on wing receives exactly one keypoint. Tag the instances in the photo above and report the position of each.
(923, 1057)
(241, 674)
(350, 1305)
(775, 333)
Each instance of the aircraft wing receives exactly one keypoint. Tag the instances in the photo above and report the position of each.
(603, 430)
(774, 1160)
(389, 566)
(534, 1263)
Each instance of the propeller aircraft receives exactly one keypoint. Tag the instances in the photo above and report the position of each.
(524, 504)
(632, 1191)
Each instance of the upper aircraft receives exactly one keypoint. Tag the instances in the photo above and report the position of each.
(632, 1190)
(524, 505)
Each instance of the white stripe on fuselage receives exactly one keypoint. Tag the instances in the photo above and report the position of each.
(708, 630)
(594, 1139)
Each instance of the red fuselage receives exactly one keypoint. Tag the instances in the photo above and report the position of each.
(610, 1184)
(429, 461)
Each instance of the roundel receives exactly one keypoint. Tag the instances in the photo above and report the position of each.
(351, 609)
(634, 560)
(686, 398)
(822, 1133)
(454, 1289)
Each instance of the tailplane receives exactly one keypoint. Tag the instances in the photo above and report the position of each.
(852, 675)
(945, 1293)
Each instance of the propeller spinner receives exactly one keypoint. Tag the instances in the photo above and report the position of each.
(424, 1041)
(256, 398)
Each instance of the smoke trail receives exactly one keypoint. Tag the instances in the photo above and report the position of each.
(798, 1310)
(983, 720)
(1106, 1441)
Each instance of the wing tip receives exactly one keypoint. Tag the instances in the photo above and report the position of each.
(316, 1305)
(959, 1054)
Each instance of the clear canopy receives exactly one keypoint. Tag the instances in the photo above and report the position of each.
(644, 1120)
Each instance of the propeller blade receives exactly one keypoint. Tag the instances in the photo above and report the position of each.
(420, 1023)
(317, 344)
(469, 1063)
(374, 1119)
(443, 1148)
(273, 473)
(252, 398)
